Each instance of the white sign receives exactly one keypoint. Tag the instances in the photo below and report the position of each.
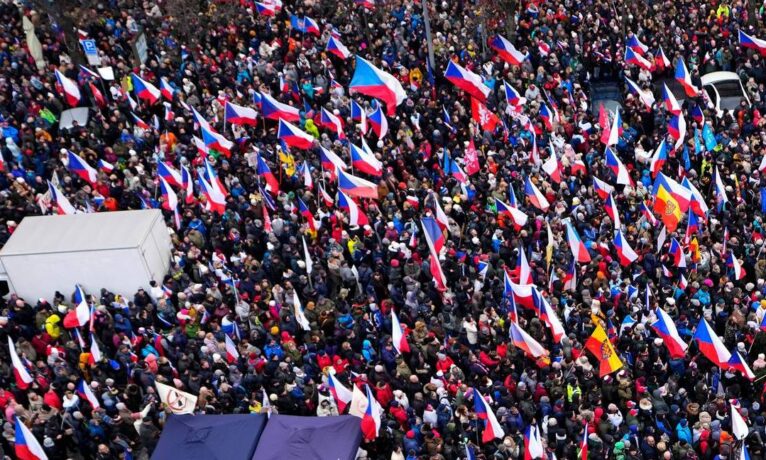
(91, 51)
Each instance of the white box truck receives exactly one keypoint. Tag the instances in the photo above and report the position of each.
(120, 251)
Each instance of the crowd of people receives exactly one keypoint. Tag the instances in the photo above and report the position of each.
(308, 295)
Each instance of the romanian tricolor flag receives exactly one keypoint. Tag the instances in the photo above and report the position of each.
(598, 343)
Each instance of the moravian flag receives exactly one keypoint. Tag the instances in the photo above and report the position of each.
(600, 346)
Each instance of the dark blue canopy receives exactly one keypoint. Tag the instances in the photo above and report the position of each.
(210, 437)
(288, 437)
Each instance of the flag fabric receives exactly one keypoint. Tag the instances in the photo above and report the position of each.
(466, 80)
(293, 136)
(570, 277)
(187, 183)
(661, 62)
(483, 116)
(360, 115)
(720, 189)
(579, 251)
(736, 267)
(739, 364)
(330, 161)
(398, 337)
(95, 351)
(526, 343)
(59, 201)
(512, 96)
(584, 444)
(618, 168)
(739, 427)
(179, 402)
(552, 167)
(307, 257)
(631, 57)
(437, 274)
(666, 329)
(307, 215)
(433, 234)
(749, 41)
(23, 378)
(240, 115)
(518, 217)
(275, 110)
(339, 392)
(337, 48)
(599, 345)
(145, 90)
(356, 186)
(355, 214)
(371, 81)
(70, 88)
(626, 254)
(232, 354)
(166, 90)
(84, 391)
(602, 188)
(265, 9)
(217, 142)
(304, 25)
(492, 428)
(378, 122)
(170, 174)
(471, 159)
(331, 121)
(81, 314)
(533, 445)
(365, 161)
(534, 196)
(684, 78)
(645, 97)
(658, 159)
(549, 316)
(215, 199)
(263, 170)
(25, 444)
(671, 103)
(611, 209)
(711, 345)
(671, 200)
(506, 50)
(635, 44)
(81, 168)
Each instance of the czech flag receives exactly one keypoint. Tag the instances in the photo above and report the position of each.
(275, 110)
(293, 136)
(535, 197)
(265, 10)
(584, 444)
(467, 81)
(371, 419)
(661, 62)
(677, 252)
(187, 183)
(631, 57)
(518, 218)
(671, 103)
(239, 115)
(658, 159)
(611, 209)
(711, 345)
(365, 161)
(720, 190)
(263, 170)
(70, 88)
(339, 392)
(506, 50)
(526, 343)
(304, 25)
(602, 188)
(331, 121)
(434, 235)
(23, 379)
(738, 363)
(552, 167)
(355, 215)
(217, 142)
(397, 335)
(665, 328)
(379, 122)
(648, 214)
(167, 91)
(25, 444)
(145, 90)
(523, 294)
(624, 251)
(83, 389)
(81, 314)
(167, 172)
(683, 77)
(614, 131)
(698, 204)
(60, 201)
(437, 275)
(330, 161)
(579, 252)
(533, 446)
(525, 273)
(358, 114)
(570, 277)
(356, 186)
(492, 428)
(512, 97)
(371, 81)
(215, 199)
(82, 169)
(635, 44)
(646, 97)
(306, 213)
(548, 315)
(736, 267)
(232, 354)
(170, 200)
(337, 48)
(601, 347)
(748, 41)
(545, 114)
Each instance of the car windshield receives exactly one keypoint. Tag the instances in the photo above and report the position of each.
(729, 88)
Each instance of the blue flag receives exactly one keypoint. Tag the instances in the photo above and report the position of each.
(763, 199)
(697, 143)
(709, 138)
(687, 161)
